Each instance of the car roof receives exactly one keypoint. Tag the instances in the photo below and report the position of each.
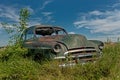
(46, 26)
(45, 29)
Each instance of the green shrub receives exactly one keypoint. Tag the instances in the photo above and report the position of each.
(17, 67)
(12, 51)
(13, 66)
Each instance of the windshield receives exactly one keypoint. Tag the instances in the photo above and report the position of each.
(32, 32)
(49, 31)
(29, 33)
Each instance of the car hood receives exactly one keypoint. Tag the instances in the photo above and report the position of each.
(46, 42)
(70, 41)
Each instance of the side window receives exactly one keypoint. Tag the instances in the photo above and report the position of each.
(53, 34)
(61, 32)
(23, 37)
(38, 35)
(29, 34)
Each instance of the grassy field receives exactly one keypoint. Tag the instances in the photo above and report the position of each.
(13, 66)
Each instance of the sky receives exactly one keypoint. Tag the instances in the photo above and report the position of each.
(95, 19)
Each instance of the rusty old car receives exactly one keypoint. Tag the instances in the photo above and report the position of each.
(55, 42)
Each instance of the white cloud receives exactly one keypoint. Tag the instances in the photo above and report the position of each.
(47, 13)
(71, 32)
(107, 22)
(116, 5)
(30, 9)
(46, 3)
(32, 23)
(0, 25)
(9, 12)
(96, 13)
(0, 28)
(48, 17)
(104, 38)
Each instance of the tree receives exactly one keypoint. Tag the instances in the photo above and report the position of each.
(24, 15)
(16, 29)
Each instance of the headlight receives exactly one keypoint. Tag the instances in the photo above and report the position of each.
(101, 47)
(57, 48)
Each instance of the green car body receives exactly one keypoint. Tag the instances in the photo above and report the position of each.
(59, 42)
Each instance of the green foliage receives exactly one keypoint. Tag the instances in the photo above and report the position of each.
(24, 16)
(18, 68)
(13, 66)
(9, 51)
(15, 30)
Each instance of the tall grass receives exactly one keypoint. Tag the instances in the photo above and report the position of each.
(13, 66)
